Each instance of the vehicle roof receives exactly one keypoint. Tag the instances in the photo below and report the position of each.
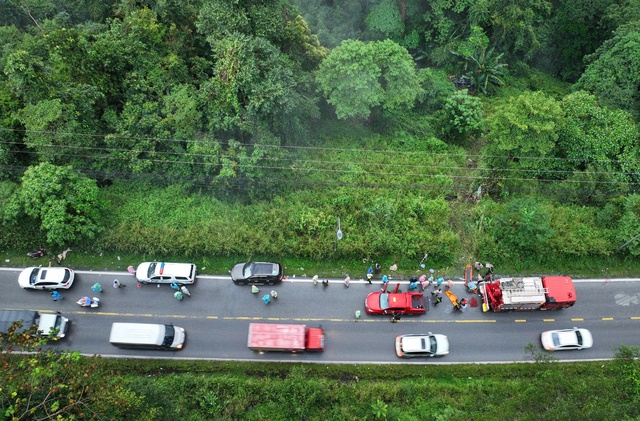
(276, 335)
(142, 333)
(168, 269)
(422, 343)
(416, 343)
(521, 290)
(51, 274)
(561, 288)
(9, 317)
(264, 268)
(568, 337)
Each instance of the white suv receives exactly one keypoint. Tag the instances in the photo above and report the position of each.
(166, 273)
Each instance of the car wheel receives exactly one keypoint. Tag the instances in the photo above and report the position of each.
(145, 282)
(271, 283)
(241, 283)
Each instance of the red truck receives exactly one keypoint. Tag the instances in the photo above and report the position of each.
(526, 294)
(284, 337)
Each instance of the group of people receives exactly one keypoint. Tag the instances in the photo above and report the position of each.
(267, 297)
(488, 273)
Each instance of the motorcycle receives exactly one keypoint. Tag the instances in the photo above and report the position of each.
(88, 302)
(37, 254)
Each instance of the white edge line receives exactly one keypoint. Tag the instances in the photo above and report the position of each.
(331, 280)
(364, 363)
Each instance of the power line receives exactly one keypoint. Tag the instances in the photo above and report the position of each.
(342, 163)
(211, 183)
(314, 148)
(341, 171)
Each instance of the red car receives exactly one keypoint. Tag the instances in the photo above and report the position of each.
(394, 303)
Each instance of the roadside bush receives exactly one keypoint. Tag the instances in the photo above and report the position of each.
(524, 229)
(302, 224)
(630, 225)
(577, 233)
(463, 116)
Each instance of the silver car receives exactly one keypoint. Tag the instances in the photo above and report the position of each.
(566, 339)
(420, 345)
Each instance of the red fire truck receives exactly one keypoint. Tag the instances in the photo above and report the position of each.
(283, 337)
(525, 294)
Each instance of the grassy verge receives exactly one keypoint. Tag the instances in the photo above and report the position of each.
(597, 267)
(257, 391)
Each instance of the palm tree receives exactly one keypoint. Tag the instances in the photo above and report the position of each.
(483, 70)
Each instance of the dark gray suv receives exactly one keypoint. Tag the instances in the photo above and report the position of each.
(257, 273)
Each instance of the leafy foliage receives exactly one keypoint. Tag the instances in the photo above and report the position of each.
(51, 384)
(630, 224)
(613, 73)
(484, 70)
(526, 124)
(627, 367)
(524, 228)
(463, 116)
(66, 203)
(385, 19)
(578, 29)
(356, 77)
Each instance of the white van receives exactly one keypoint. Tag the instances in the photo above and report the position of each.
(147, 336)
(166, 273)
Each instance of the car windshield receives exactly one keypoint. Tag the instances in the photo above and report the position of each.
(34, 276)
(384, 301)
(248, 270)
(556, 339)
(579, 337)
(432, 344)
(169, 334)
(152, 270)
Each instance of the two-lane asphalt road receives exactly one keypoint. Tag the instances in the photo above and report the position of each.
(217, 315)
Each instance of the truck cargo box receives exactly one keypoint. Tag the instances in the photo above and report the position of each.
(284, 337)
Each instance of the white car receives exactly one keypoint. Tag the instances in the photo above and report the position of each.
(166, 273)
(566, 339)
(46, 278)
(418, 345)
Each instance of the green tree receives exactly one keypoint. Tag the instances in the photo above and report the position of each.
(523, 229)
(357, 77)
(629, 226)
(522, 134)
(577, 29)
(526, 124)
(67, 204)
(599, 140)
(336, 21)
(385, 20)
(515, 26)
(463, 116)
(484, 70)
(613, 72)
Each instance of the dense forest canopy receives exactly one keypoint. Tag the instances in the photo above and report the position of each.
(395, 114)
